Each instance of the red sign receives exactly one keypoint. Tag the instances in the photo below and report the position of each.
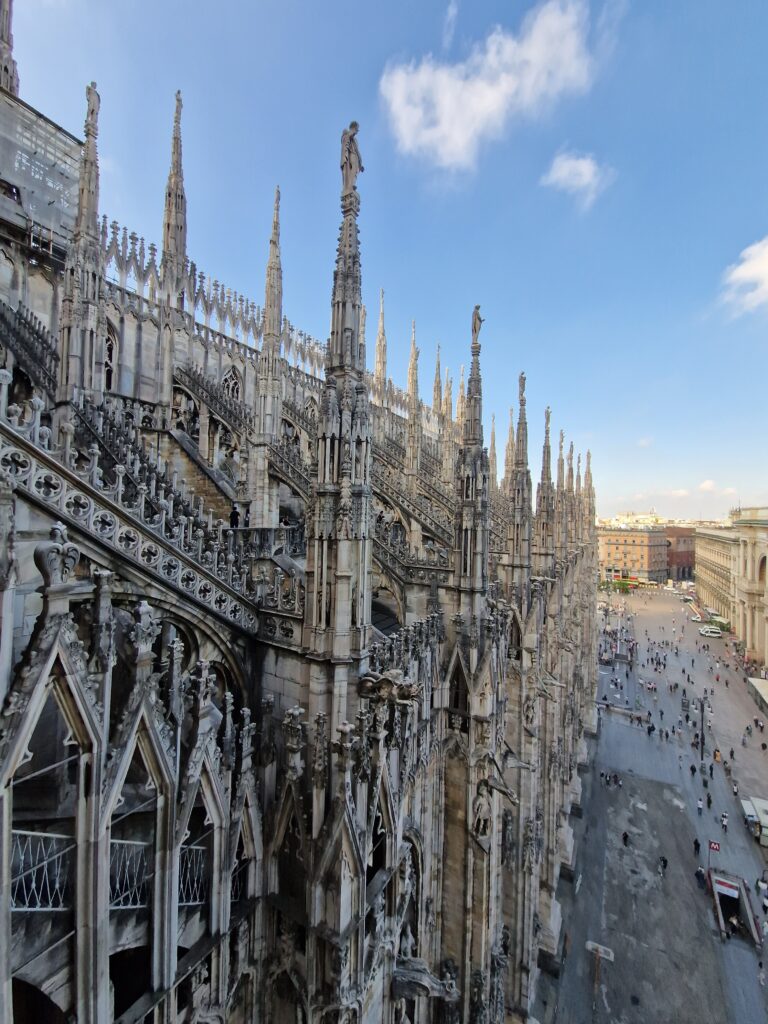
(714, 846)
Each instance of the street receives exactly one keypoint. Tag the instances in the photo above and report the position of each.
(669, 961)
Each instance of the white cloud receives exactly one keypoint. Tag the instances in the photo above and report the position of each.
(707, 485)
(449, 23)
(680, 492)
(580, 175)
(443, 111)
(644, 442)
(746, 282)
(729, 491)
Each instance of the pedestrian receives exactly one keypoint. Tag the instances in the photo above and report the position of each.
(761, 974)
(663, 863)
(709, 801)
(693, 770)
(696, 847)
(711, 771)
(735, 789)
(724, 821)
(625, 838)
(732, 754)
(699, 802)
(234, 517)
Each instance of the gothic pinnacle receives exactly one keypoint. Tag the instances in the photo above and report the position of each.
(380, 369)
(546, 455)
(509, 453)
(273, 292)
(521, 458)
(448, 396)
(88, 192)
(492, 460)
(437, 389)
(175, 212)
(413, 367)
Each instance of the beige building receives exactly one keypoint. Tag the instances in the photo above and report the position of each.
(731, 576)
(632, 554)
(715, 553)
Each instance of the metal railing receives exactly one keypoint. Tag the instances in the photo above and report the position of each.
(129, 874)
(40, 870)
(238, 889)
(193, 875)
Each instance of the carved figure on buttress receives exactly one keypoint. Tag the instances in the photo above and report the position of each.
(481, 811)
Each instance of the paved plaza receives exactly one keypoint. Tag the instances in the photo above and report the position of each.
(669, 961)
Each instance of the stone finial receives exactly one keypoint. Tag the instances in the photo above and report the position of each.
(56, 558)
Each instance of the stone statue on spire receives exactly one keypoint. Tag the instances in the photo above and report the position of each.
(477, 323)
(92, 117)
(521, 389)
(351, 162)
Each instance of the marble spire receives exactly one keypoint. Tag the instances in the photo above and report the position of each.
(492, 460)
(273, 290)
(437, 387)
(413, 367)
(380, 369)
(175, 211)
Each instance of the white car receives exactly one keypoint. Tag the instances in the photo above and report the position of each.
(695, 618)
(710, 631)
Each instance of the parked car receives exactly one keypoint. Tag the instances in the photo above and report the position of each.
(695, 618)
(710, 631)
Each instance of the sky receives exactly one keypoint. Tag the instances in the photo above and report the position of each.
(592, 172)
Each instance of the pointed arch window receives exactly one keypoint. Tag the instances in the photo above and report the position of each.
(231, 384)
(110, 359)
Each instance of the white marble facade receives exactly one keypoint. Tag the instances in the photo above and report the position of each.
(313, 761)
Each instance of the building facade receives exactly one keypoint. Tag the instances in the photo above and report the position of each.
(227, 796)
(715, 554)
(632, 554)
(681, 552)
(731, 577)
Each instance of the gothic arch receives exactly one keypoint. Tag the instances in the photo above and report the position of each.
(232, 384)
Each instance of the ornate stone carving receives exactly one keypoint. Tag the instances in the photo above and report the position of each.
(56, 558)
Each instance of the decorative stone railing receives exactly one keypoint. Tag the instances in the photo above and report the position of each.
(409, 568)
(31, 344)
(300, 417)
(176, 553)
(286, 460)
(388, 483)
(215, 397)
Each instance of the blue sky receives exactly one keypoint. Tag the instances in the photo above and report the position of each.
(593, 172)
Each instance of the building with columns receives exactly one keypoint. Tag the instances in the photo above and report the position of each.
(227, 794)
(731, 577)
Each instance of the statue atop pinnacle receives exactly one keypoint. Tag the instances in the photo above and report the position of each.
(351, 162)
(477, 323)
